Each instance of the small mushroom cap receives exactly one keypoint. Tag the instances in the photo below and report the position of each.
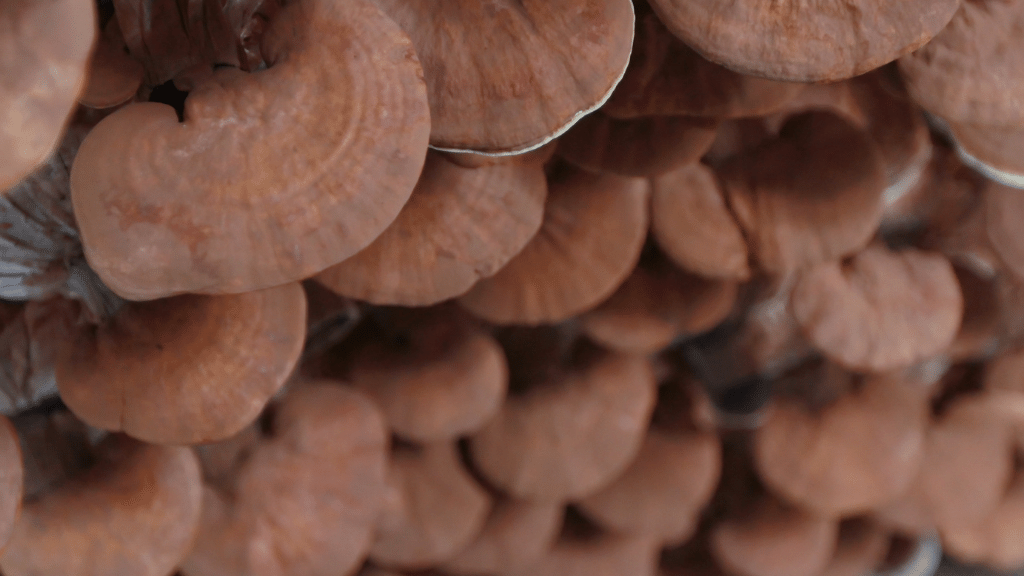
(666, 77)
(861, 548)
(982, 327)
(516, 533)
(1003, 208)
(435, 375)
(437, 511)
(594, 229)
(805, 42)
(773, 539)
(460, 225)
(814, 194)
(114, 76)
(507, 77)
(857, 454)
(972, 72)
(603, 555)
(882, 310)
(693, 225)
(996, 152)
(663, 491)
(305, 500)
(637, 146)
(46, 47)
(187, 369)
(135, 511)
(569, 436)
(11, 480)
(996, 540)
(184, 213)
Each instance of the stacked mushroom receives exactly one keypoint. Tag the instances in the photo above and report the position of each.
(509, 287)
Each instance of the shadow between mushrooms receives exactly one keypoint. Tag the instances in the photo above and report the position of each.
(272, 176)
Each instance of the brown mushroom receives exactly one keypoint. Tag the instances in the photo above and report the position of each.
(994, 541)
(183, 370)
(593, 231)
(135, 510)
(506, 77)
(435, 509)
(804, 42)
(175, 217)
(516, 533)
(11, 480)
(995, 151)
(882, 310)
(1001, 210)
(982, 328)
(46, 47)
(861, 547)
(460, 225)
(114, 77)
(301, 495)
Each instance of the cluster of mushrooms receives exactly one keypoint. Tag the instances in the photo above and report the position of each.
(510, 287)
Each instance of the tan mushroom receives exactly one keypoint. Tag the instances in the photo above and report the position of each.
(323, 175)
(184, 370)
(300, 496)
(46, 47)
(114, 77)
(460, 225)
(593, 231)
(995, 540)
(516, 533)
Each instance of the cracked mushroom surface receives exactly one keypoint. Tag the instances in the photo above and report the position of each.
(508, 76)
(212, 205)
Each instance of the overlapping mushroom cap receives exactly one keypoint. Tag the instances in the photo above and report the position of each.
(272, 176)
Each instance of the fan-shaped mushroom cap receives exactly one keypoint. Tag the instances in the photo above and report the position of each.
(437, 508)
(693, 225)
(859, 453)
(175, 216)
(601, 555)
(996, 152)
(594, 228)
(114, 77)
(861, 547)
(435, 374)
(304, 499)
(460, 225)
(882, 310)
(662, 492)
(516, 533)
(972, 72)
(666, 77)
(807, 42)
(187, 369)
(507, 77)
(574, 428)
(814, 194)
(773, 539)
(46, 47)
(135, 511)
(637, 146)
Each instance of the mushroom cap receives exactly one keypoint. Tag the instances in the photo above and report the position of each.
(569, 436)
(593, 231)
(664, 490)
(982, 327)
(434, 374)
(603, 555)
(11, 480)
(971, 72)
(693, 225)
(460, 225)
(187, 369)
(1002, 209)
(438, 510)
(305, 500)
(114, 76)
(861, 547)
(507, 76)
(516, 533)
(805, 42)
(814, 194)
(667, 77)
(46, 46)
(857, 454)
(995, 541)
(636, 146)
(882, 310)
(211, 205)
(996, 152)
(135, 511)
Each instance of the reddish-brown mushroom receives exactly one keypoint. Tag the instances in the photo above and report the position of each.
(1002, 207)
(601, 554)
(861, 548)
(460, 225)
(325, 171)
(994, 541)
(995, 151)
(516, 533)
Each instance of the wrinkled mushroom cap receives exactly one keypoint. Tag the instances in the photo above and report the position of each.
(212, 204)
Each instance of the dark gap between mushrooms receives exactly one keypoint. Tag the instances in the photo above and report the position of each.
(168, 93)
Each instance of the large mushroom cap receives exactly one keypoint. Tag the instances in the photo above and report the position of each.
(135, 511)
(460, 225)
(273, 176)
(45, 47)
(805, 41)
(303, 500)
(593, 231)
(509, 76)
(187, 369)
